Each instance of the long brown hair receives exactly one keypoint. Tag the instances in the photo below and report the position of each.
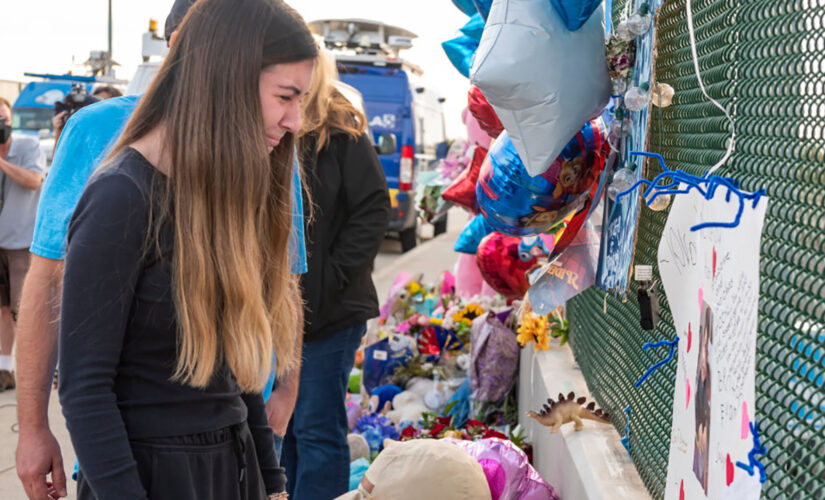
(325, 109)
(228, 203)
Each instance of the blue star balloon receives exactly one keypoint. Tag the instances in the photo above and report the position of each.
(465, 6)
(483, 7)
(461, 50)
(471, 236)
(474, 27)
(575, 13)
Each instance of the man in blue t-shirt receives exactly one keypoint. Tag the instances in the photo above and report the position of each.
(84, 143)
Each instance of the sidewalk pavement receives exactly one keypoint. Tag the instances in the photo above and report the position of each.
(430, 257)
(10, 486)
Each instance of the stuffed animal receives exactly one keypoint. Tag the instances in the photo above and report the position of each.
(554, 414)
(407, 406)
(381, 398)
(358, 447)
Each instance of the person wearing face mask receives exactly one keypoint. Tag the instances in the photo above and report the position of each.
(21, 174)
(89, 134)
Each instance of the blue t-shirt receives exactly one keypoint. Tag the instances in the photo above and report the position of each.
(84, 143)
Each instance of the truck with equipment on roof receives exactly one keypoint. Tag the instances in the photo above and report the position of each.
(405, 116)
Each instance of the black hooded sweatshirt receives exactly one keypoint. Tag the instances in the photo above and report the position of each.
(351, 212)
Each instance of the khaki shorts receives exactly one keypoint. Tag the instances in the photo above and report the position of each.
(13, 267)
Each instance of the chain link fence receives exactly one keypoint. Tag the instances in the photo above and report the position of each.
(764, 60)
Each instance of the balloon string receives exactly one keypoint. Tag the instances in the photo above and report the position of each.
(692, 33)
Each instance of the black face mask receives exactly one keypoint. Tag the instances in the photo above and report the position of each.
(5, 131)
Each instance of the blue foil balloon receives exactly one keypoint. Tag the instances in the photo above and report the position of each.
(471, 236)
(483, 7)
(461, 50)
(465, 6)
(575, 13)
(474, 27)
(517, 204)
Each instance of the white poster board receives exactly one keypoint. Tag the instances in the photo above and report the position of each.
(711, 279)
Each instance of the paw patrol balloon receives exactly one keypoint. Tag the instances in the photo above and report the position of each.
(517, 204)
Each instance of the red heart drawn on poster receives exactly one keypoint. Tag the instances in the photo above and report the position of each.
(687, 399)
(729, 470)
(690, 337)
(714, 262)
(682, 490)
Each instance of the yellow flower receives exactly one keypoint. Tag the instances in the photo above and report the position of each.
(525, 336)
(534, 329)
(436, 321)
(453, 434)
(468, 314)
(413, 288)
(542, 337)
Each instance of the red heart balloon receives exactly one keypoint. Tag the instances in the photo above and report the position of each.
(500, 266)
(463, 189)
(484, 112)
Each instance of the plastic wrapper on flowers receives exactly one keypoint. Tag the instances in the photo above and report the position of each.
(494, 354)
(433, 341)
(428, 198)
(508, 472)
(380, 361)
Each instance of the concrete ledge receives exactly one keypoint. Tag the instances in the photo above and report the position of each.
(589, 464)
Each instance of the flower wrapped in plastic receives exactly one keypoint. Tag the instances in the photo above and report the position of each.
(494, 355)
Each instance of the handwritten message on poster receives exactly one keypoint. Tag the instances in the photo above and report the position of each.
(711, 279)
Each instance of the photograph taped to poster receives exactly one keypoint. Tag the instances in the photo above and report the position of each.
(711, 278)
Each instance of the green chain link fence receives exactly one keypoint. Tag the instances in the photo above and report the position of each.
(765, 61)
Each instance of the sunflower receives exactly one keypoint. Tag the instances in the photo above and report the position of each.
(468, 314)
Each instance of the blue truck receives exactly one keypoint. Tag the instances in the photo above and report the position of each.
(405, 116)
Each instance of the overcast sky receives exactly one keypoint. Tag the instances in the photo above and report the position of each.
(44, 36)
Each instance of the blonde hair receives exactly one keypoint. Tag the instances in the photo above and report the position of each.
(325, 109)
(229, 204)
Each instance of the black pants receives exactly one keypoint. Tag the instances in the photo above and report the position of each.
(219, 465)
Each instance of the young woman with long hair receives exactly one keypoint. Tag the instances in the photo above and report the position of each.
(177, 287)
(346, 182)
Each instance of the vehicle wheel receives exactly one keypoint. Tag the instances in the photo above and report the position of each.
(441, 226)
(408, 239)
